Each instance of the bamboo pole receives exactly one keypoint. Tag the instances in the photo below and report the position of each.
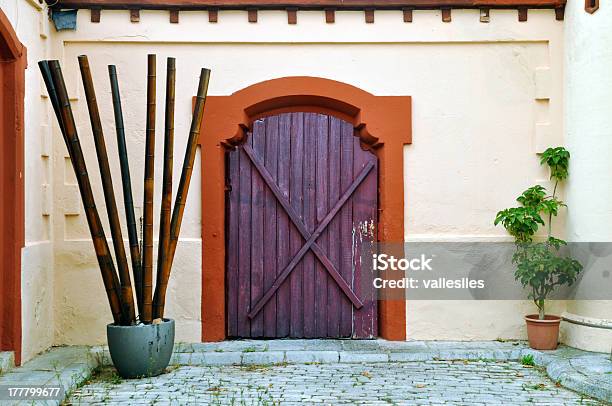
(128, 200)
(166, 208)
(181, 196)
(147, 244)
(127, 298)
(68, 127)
(46, 74)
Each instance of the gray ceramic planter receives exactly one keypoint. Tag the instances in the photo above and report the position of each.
(142, 350)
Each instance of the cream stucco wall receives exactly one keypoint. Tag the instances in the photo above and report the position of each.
(588, 131)
(31, 25)
(486, 98)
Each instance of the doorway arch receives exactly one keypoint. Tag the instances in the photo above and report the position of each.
(383, 125)
(12, 75)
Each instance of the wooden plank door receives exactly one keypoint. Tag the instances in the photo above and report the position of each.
(302, 198)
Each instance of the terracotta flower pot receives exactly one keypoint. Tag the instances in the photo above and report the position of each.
(543, 334)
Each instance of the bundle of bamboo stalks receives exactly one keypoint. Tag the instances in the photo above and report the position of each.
(119, 286)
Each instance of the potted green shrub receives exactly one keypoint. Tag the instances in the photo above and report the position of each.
(540, 266)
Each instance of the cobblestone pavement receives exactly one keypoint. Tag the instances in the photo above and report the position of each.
(411, 383)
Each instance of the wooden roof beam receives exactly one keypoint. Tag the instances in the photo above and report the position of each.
(305, 4)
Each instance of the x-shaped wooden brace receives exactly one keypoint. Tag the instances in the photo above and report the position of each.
(310, 239)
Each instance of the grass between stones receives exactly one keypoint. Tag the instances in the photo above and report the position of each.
(528, 360)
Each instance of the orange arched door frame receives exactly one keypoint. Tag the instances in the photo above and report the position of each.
(12, 74)
(383, 123)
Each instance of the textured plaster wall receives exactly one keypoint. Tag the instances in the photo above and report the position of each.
(588, 131)
(486, 98)
(32, 28)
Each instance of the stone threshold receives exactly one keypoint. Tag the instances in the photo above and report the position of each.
(584, 372)
(248, 352)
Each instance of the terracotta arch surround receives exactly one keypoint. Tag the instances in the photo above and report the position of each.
(383, 123)
(12, 77)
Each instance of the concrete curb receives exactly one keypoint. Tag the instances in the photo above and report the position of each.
(64, 366)
(578, 373)
(253, 353)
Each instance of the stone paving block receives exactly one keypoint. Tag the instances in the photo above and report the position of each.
(181, 358)
(205, 347)
(218, 358)
(232, 346)
(71, 376)
(357, 357)
(100, 355)
(263, 358)
(453, 354)
(7, 361)
(57, 357)
(18, 376)
(590, 375)
(183, 347)
(564, 351)
(410, 356)
(37, 403)
(362, 345)
(304, 345)
(599, 364)
(302, 357)
(403, 346)
(501, 355)
(539, 357)
(464, 345)
(514, 355)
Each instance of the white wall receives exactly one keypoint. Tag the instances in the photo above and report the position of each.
(486, 98)
(32, 28)
(588, 131)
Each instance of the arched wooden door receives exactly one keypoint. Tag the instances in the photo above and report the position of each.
(302, 197)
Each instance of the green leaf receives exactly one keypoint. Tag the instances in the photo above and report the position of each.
(556, 242)
(539, 266)
(558, 161)
(532, 197)
(550, 205)
(521, 222)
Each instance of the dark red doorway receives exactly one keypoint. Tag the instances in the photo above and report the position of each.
(12, 79)
(302, 197)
